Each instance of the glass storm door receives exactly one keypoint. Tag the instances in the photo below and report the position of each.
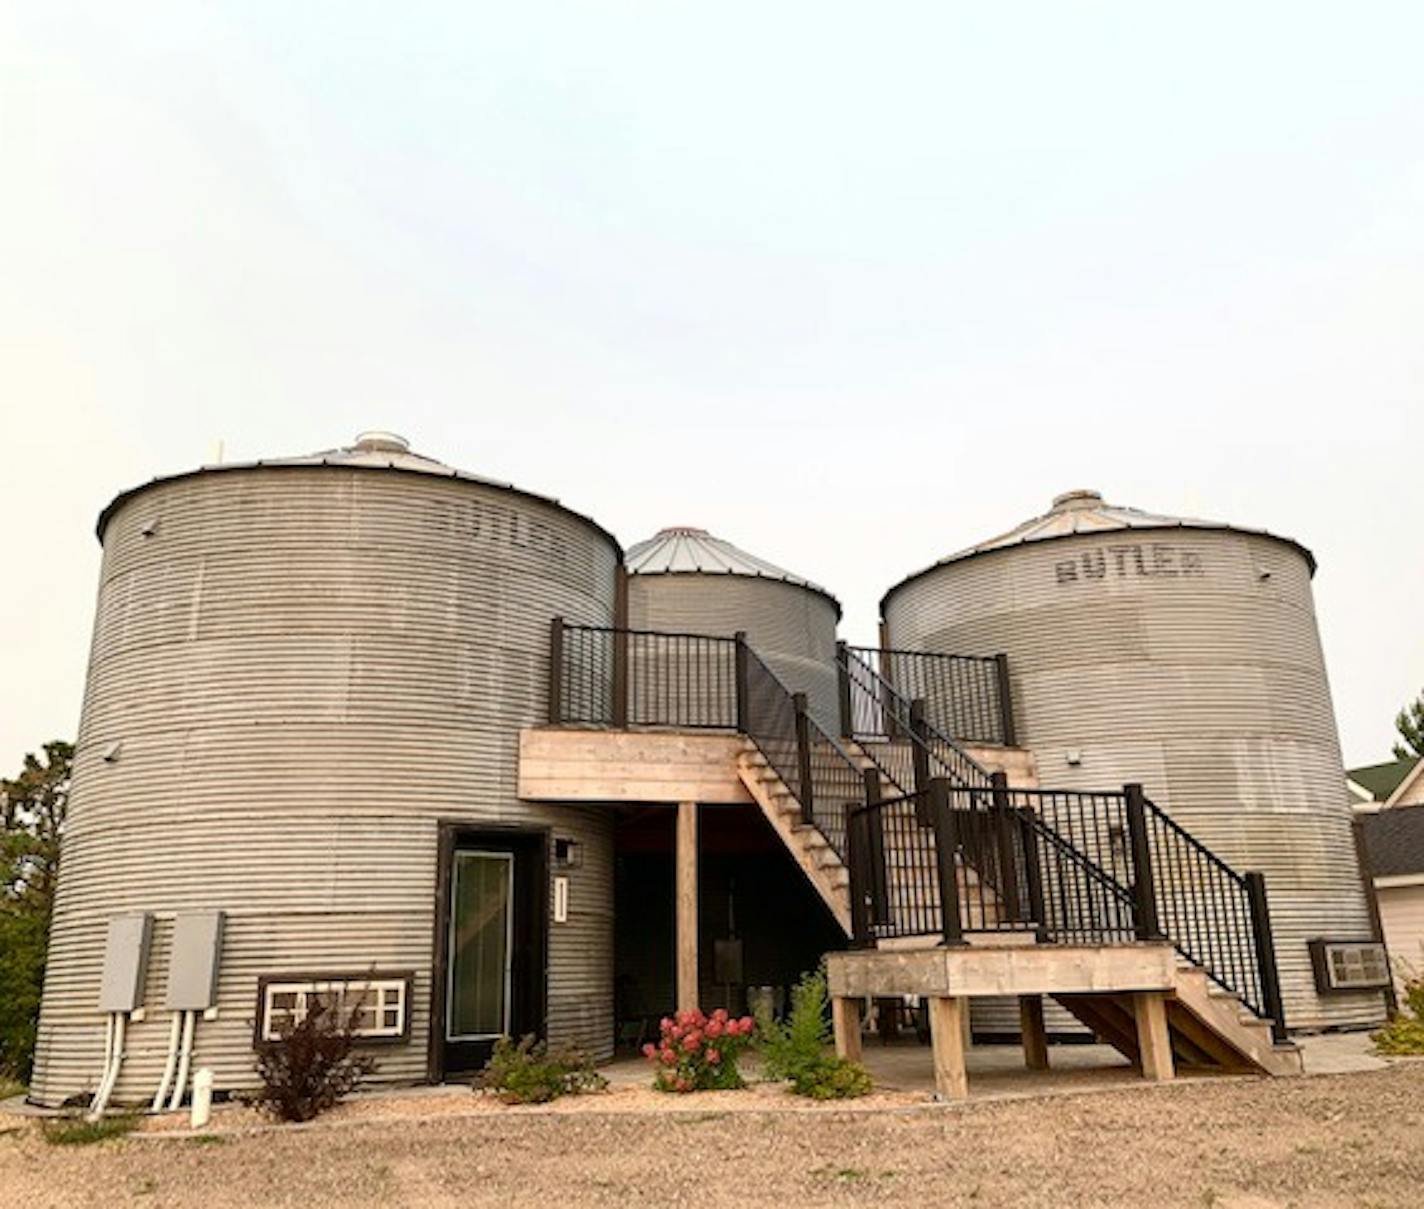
(481, 946)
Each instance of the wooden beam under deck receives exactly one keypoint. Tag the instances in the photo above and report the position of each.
(562, 764)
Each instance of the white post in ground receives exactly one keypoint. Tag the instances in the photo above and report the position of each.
(686, 861)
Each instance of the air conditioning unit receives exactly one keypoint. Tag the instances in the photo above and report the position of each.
(1349, 965)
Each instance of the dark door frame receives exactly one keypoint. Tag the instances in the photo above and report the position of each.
(530, 844)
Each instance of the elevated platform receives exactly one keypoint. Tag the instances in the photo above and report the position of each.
(1138, 998)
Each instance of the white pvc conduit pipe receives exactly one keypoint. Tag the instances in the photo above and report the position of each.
(169, 1063)
(185, 1056)
(114, 1057)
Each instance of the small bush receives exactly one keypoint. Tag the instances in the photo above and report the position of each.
(831, 1078)
(1405, 1033)
(532, 1073)
(76, 1131)
(796, 1050)
(698, 1052)
(311, 1066)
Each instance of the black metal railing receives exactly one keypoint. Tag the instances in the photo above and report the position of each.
(813, 765)
(895, 731)
(1069, 865)
(605, 676)
(966, 696)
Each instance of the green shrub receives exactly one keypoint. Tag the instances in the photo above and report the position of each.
(1405, 1033)
(796, 1049)
(831, 1078)
(531, 1073)
(76, 1131)
(311, 1066)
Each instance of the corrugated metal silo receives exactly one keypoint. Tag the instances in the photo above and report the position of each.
(686, 580)
(309, 666)
(1185, 655)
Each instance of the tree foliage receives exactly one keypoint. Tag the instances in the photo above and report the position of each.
(1409, 722)
(32, 811)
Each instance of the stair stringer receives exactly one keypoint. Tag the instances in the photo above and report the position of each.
(1210, 1027)
(826, 872)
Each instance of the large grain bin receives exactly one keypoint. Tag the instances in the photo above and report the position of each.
(686, 580)
(1185, 655)
(303, 705)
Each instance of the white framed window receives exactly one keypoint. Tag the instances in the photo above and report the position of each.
(377, 1007)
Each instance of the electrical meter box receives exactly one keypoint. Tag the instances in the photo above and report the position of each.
(193, 966)
(125, 963)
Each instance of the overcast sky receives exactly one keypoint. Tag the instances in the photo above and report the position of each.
(852, 285)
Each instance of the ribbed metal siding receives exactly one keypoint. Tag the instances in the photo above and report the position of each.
(1209, 687)
(307, 669)
(792, 628)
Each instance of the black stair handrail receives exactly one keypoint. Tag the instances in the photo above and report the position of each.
(814, 766)
(969, 695)
(1214, 916)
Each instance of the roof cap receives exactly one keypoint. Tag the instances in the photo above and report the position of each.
(687, 550)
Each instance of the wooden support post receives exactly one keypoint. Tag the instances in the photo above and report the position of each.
(845, 1023)
(1154, 1042)
(1034, 1031)
(947, 1042)
(687, 906)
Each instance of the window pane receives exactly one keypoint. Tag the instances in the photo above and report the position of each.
(479, 944)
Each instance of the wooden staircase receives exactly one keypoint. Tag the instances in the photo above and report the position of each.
(1210, 1029)
(823, 868)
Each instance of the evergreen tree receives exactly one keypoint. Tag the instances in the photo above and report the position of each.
(32, 810)
(1410, 725)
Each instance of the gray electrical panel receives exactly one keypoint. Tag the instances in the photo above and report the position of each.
(193, 966)
(125, 963)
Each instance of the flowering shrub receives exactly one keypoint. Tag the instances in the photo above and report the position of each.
(698, 1052)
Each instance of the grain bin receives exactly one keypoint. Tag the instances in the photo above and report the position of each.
(685, 580)
(304, 697)
(1185, 655)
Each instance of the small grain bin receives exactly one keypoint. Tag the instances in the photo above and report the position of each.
(305, 691)
(686, 580)
(1185, 655)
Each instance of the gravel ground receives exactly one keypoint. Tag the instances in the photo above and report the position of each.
(1345, 1140)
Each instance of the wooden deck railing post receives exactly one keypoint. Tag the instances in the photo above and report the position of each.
(843, 683)
(1006, 702)
(620, 678)
(1271, 999)
(743, 718)
(556, 671)
(877, 884)
(1144, 887)
(946, 829)
(806, 791)
(1005, 832)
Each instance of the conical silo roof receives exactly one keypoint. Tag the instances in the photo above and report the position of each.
(1084, 511)
(685, 550)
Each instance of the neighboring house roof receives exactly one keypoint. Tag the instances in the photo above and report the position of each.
(1381, 780)
(685, 550)
(1394, 841)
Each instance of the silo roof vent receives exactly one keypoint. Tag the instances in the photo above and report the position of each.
(377, 441)
(1076, 499)
(689, 550)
